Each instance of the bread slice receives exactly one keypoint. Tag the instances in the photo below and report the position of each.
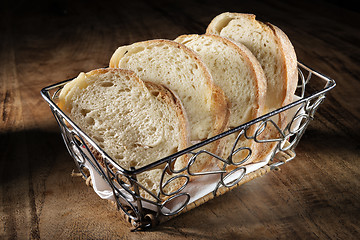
(181, 70)
(235, 70)
(134, 122)
(271, 47)
(277, 57)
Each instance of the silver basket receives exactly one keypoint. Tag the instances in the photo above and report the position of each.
(128, 193)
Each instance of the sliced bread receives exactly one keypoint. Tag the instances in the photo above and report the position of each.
(235, 70)
(134, 122)
(181, 70)
(274, 51)
(271, 47)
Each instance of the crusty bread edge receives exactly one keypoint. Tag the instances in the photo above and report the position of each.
(290, 59)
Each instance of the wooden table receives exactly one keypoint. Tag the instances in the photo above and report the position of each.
(315, 196)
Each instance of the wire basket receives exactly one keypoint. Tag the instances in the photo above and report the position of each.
(143, 208)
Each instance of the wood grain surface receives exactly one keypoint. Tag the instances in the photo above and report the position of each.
(316, 196)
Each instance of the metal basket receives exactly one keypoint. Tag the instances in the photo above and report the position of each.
(130, 195)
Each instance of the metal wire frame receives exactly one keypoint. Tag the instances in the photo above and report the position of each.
(129, 192)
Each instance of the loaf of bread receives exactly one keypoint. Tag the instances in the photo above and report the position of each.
(180, 69)
(134, 122)
(235, 70)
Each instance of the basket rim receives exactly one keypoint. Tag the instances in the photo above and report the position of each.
(45, 93)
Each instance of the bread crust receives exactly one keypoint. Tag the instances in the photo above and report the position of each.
(290, 59)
